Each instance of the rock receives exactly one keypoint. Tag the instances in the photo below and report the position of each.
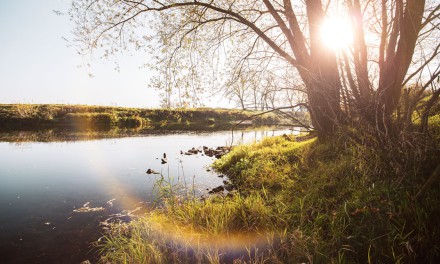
(224, 149)
(209, 152)
(164, 159)
(150, 171)
(229, 187)
(218, 152)
(221, 176)
(193, 151)
(217, 189)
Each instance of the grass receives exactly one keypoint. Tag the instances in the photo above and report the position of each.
(81, 116)
(309, 201)
(299, 200)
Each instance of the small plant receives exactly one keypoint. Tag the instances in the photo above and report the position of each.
(25, 110)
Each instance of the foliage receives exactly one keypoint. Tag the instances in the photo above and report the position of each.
(133, 121)
(89, 119)
(272, 52)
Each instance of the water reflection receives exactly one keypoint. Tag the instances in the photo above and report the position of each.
(67, 133)
(53, 195)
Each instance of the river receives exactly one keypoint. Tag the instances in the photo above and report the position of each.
(54, 195)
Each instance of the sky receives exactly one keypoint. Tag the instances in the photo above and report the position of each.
(38, 66)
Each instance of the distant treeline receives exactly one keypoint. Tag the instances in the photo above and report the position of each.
(82, 116)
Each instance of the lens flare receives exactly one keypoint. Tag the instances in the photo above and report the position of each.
(336, 33)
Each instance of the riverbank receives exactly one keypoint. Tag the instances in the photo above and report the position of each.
(82, 117)
(298, 200)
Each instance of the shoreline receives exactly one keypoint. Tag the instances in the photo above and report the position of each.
(95, 117)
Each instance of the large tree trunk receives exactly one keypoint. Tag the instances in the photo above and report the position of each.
(322, 81)
(397, 62)
(324, 101)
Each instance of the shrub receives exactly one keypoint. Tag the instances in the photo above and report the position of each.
(90, 119)
(132, 122)
(25, 110)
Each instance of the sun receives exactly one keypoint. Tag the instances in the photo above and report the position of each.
(336, 33)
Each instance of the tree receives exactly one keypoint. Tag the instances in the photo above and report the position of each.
(201, 45)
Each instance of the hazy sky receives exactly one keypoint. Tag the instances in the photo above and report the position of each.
(37, 66)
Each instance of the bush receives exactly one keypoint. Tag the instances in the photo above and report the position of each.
(132, 122)
(25, 110)
(90, 119)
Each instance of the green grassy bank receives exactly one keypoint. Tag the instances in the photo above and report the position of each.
(80, 116)
(298, 200)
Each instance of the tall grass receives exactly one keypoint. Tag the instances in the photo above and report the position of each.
(297, 202)
(340, 201)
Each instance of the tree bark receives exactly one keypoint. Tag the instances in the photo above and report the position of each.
(323, 83)
(396, 67)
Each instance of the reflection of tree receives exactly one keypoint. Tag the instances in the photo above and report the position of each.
(66, 134)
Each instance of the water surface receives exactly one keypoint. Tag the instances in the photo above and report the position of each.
(43, 184)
